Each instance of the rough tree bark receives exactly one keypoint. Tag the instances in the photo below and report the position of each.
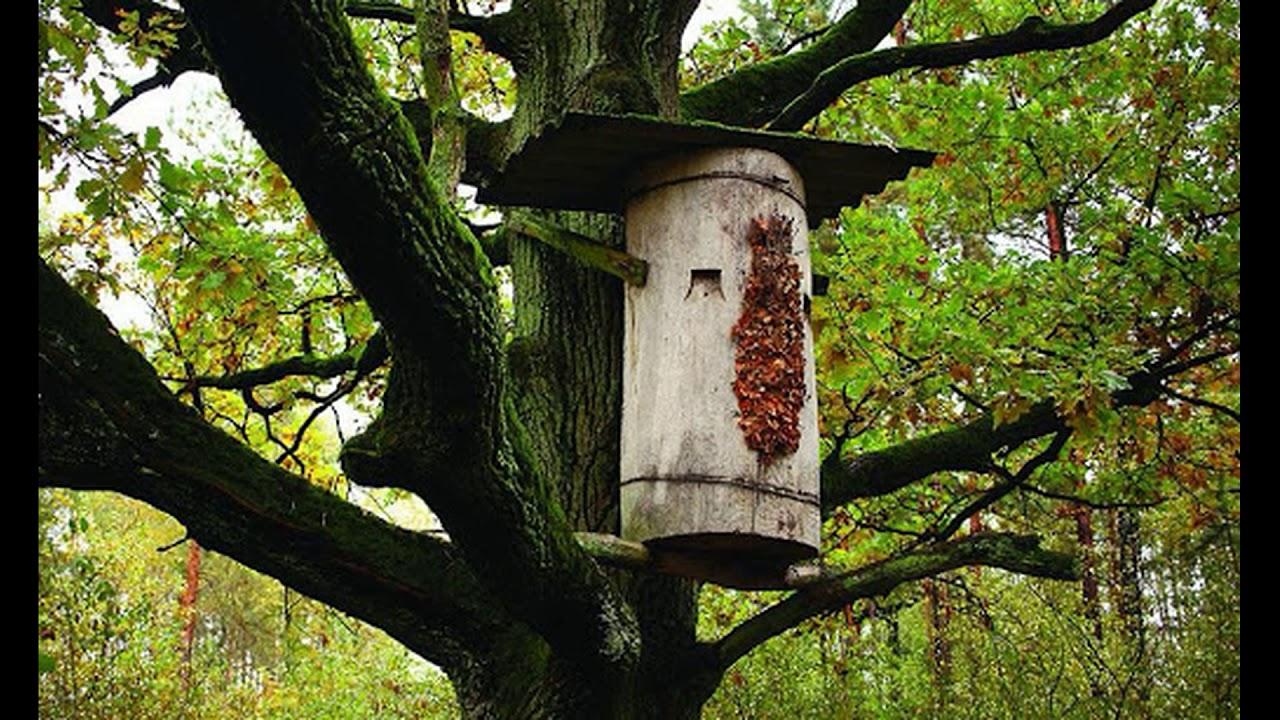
(514, 447)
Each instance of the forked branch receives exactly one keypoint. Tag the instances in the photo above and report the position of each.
(756, 93)
(969, 446)
(363, 359)
(1010, 483)
(1033, 34)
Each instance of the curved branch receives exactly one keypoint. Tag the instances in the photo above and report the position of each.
(160, 79)
(754, 94)
(1016, 553)
(1201, 333)
(1011, 483)
(1093, 504)
(969, 447)
(1169, 371)
(107, 423)
(1033, 34)
(1199, 402)
(364, 358)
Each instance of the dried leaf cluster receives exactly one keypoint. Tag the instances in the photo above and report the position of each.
(769, 343)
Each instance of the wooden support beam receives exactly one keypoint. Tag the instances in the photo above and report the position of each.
(617, 552)
(630, 269)
(613, 550)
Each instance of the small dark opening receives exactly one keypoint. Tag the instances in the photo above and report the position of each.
(808, 306)
(704, 282)
(821, 283)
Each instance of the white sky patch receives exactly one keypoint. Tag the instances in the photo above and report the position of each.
(708, 11)
(193, 100)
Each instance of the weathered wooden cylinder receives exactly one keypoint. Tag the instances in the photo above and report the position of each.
(719, 419)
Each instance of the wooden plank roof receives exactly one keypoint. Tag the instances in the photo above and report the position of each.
(582, 163)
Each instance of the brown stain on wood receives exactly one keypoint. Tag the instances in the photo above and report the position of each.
(769, 343)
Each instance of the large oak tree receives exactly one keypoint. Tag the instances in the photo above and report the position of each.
(508, 430)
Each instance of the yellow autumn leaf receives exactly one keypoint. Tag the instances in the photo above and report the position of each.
(131, 180)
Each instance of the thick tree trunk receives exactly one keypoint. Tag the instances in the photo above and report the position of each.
(937, 612)
(1089, 584)
(1126, 591)
(565, 357)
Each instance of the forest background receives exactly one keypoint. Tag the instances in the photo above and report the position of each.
(1079, 228)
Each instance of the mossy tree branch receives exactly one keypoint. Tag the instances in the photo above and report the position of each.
(448, 133)
(969, 446)
(1016, 553)
(754, 94)
(293, 72)
(1010, 483)
(1034, 34)
(108, 423)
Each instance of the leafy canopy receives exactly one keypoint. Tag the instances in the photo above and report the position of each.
(1079, 232)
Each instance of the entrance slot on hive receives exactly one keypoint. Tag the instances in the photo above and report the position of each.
(719, 453)
(706, 282)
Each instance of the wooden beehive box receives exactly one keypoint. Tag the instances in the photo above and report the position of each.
(719, 419)
(719, 447)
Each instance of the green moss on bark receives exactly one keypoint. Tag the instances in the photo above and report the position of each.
(753, 95)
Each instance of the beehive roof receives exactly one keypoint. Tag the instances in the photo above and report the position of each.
(581, 163)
